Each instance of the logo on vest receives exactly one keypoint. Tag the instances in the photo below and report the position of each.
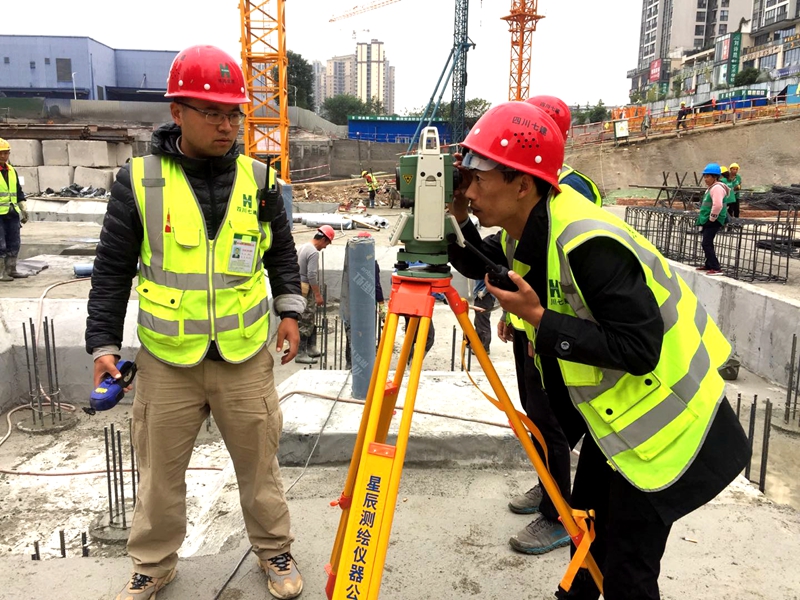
(556, 295)
(247, 205)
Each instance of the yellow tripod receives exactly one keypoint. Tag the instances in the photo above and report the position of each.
(373, 479)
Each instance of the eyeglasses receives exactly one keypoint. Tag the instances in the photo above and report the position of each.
(217, 118)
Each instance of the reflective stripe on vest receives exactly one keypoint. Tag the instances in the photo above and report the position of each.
(8, 191)
(649, 427)
(567, 170)
(509, 246)
(191, 290)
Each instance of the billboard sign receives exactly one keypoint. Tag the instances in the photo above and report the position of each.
(655, 70)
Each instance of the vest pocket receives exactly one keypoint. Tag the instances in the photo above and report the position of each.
(629, 391)
(160, 311)
(187, 236)
(580, 375)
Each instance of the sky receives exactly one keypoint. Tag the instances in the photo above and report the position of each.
(582, 49)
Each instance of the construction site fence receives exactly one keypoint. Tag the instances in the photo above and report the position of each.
(747, 249)
(666, 121)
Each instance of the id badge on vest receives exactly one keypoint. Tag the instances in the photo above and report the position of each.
(243, 254)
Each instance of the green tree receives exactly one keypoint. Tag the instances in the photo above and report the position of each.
(746, 76)
(299, 81)
(598, 113)
(375, 107)
(637, 97)
(337, 108)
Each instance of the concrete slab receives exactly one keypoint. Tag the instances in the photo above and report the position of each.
(97, 178)
(26, 153)
(56, 178)
(55, 153)
(123, 153)
(86, 153)
(29, 179)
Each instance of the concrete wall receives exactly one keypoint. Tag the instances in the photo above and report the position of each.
(309, 159)
(642, 163)
(115, 111)
(350, 157)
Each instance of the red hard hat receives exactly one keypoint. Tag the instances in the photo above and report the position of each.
(327, 231)
(557, 109)
(520, 136)
(206, 73)
(364, 234)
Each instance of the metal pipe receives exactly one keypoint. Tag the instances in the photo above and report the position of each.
(36, 555)
(469, 359)
(796, 390)
(765, 447)
(335, 342)
(121, 481)
(57, 397)
(751, 434)
(62, 542)
(791, 378)
(114, 470)
(108, 480)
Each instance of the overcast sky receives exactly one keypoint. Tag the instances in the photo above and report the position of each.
(581, 50)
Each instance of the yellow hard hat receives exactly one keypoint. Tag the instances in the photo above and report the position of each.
(4, 145)
(734, 166)
(363, 173)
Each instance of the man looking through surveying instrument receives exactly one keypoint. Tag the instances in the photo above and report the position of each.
(621, 343)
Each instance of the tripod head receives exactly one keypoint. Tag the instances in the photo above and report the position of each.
(426, 180)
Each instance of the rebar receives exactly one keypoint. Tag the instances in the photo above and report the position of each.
(791, 378)
(49, 369)
(28, 361)
(62, 543)
(121, 480)
(336, 364)
(762, 480)
(57, 393)
(751, 434)
(469, 359)
(36, 555)
(453, 351)
(133, 463)
(114, 470)
(796, 390)
(84, 545)
(108, 480)
(36, 375)
(738, 405)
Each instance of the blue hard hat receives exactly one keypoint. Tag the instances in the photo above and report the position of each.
(712, 169)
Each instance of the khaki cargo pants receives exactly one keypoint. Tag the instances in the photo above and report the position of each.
(170, 406)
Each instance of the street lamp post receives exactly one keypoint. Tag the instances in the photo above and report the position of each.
(74, 91)
(295, 93)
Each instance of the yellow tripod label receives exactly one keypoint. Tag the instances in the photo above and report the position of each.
(363, 538)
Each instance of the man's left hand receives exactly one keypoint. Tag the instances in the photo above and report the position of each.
(524, 303)
(23, 213)
(288, 332)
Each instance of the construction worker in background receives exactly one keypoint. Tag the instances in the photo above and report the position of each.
(372, 186)
(683, 112)
(13, 215)
(712, 216)
(558, 110)
(736, 184)
(484, 303)
(184, 214)
(560, 432)
(726, 178)
(308, 257)
(620, 340)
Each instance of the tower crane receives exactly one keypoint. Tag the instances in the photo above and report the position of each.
(266, 125)
(521, 23)
(357, 10)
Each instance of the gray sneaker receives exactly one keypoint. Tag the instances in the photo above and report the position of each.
(540, 536)
(527, 503)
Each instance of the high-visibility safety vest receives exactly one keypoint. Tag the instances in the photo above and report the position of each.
(707, 203)
(566, 170)
(509, 246)
(8, 191)
(372, 183)
(650, 427)
(193, 290)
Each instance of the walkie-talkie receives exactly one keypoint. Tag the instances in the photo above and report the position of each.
(268, 198)
(498, 274)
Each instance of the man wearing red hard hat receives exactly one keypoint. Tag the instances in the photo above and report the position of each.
(308, 257)
(622, 345)
(198, 220)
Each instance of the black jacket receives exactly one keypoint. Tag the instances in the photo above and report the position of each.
(121, 238)
(627, 336)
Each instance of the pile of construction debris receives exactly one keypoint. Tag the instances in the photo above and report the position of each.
(76, 191)
(348, 195)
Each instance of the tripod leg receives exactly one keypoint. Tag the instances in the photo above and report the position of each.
(374, 401)
(390, 398)
(564, 511)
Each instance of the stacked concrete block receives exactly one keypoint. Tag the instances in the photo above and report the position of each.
(55, 153)
(55, 177)
(97, 178)
(31, 176)
(123, 152)
(84, 153)
(26, 153)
